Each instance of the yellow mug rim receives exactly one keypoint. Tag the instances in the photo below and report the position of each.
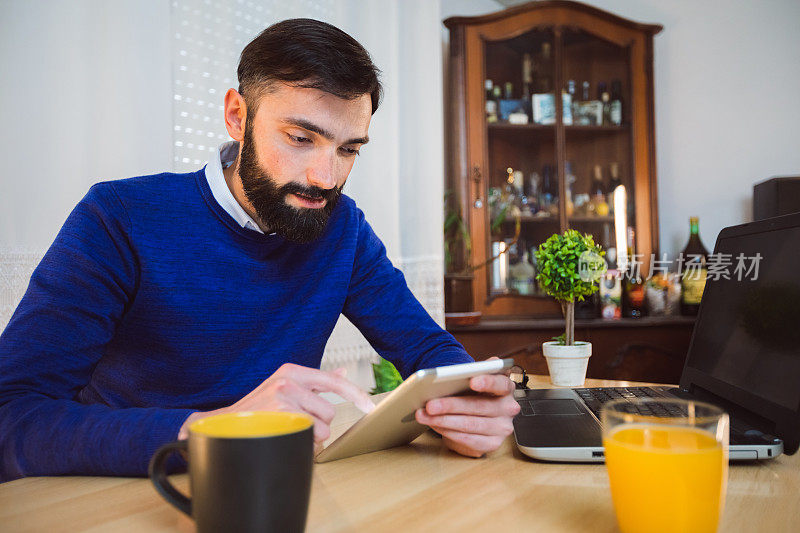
(251, 425)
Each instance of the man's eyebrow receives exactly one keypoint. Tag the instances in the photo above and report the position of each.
(310, 126)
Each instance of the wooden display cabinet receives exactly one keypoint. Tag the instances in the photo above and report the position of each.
(565, 41)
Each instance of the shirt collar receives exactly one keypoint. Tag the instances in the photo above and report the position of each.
(224, 157)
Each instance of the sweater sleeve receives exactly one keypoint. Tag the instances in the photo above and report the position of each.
(76, 297)
(380, 304)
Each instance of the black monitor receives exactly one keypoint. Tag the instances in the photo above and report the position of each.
(745, 348)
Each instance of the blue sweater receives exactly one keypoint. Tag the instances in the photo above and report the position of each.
(153, 303)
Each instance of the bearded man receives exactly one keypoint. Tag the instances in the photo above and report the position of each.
(172, 297)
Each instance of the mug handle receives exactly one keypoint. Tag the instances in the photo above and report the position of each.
(159, 477)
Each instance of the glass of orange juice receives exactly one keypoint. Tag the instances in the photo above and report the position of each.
(667, 463)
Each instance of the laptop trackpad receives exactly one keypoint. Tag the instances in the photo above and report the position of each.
(555, 407)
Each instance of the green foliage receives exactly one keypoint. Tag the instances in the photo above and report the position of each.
(386, 376)
(457, 241)
(560, 340)
(498, 219)
(558, 258)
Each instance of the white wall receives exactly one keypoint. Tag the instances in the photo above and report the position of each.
(727, 82)
(85, 96)
(727, 79)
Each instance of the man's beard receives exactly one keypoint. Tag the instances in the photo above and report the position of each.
(269, 200)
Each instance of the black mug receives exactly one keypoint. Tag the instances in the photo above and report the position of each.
(248, 472)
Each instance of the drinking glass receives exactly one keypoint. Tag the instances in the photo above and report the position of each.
(667, 462)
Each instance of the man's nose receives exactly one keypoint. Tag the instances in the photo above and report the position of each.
(321, 172)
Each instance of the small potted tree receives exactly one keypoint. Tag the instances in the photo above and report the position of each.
(570, 266)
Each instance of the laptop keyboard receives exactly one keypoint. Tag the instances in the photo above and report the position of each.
(594, 399)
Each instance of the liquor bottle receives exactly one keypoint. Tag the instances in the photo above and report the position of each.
(566, 103)
(633, 286)
(509, 90)
(593, 109)
(511, 197)
(630, 252)
(527, 75)
(633, 298)
(605, 98)
(533, 191)
(614, 172)
(580, 113)
(693, 279)
(545, 71)
(615, 110)
(598, 193)
(522, 275)
(491, 103)
(570, 179)
(546, 47)
(549, 201)
(572, 91)
(497, 95)
(601, 88)
(519, 187)
(610, 295)
(610, 246)
(611, 283)
(613, 184)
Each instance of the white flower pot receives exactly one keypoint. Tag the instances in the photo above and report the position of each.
(567, 364)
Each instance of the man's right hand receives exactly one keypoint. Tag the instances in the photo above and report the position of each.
(294, 388)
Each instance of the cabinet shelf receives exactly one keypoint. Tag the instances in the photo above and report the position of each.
(503, 126)
(523, 132)
(533, 219)
(595, 129)
(553, 219)
(589, 218)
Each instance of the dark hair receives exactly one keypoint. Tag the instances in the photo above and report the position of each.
(307, 53)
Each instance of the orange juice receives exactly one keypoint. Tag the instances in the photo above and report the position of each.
(666, 478)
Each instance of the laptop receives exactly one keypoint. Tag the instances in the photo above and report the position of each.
(744, 357)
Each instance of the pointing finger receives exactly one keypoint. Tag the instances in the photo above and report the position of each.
(319, 381)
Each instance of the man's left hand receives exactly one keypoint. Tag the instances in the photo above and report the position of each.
(475, 424)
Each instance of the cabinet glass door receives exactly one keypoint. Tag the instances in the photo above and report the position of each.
(523, 190)
(598, 142)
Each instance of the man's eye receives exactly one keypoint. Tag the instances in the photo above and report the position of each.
(350, 151)
(300, 140)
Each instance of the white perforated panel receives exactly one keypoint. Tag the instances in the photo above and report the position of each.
(207, 38)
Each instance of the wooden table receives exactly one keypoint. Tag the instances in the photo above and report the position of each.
(421, 487)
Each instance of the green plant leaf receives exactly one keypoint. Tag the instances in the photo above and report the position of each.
(387, 377)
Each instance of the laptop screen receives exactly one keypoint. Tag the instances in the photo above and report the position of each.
(748, 331)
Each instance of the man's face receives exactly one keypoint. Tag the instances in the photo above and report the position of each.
(297, 152)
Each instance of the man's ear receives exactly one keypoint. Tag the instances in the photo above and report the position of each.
(235, 114)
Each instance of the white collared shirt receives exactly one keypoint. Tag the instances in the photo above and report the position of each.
(223, 158)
